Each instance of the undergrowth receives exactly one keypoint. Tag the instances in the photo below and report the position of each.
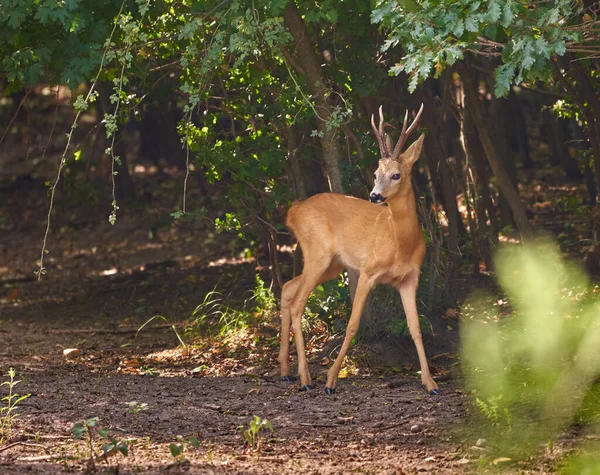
(9, 405)
(215, 317)
(534, 374)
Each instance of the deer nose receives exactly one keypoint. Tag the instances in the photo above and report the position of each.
(377, 198)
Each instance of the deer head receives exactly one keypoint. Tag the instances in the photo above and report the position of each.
(393, 174)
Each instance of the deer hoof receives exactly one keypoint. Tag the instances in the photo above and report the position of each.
(306, 387)
(435, 392)
(287, 379)
(330, 391)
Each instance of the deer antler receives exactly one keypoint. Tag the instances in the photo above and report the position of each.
(380, 134)
(405, 133)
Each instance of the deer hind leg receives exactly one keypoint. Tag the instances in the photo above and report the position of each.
(362, 291)
(304, 285)
(288, 292)
(408, 292)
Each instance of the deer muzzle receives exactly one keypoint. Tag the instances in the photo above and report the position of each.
(376, 198)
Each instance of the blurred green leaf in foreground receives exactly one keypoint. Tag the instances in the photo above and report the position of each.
(534, 374)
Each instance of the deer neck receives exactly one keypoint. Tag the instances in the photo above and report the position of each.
(403, 210)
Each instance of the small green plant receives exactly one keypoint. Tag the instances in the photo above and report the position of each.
(178, 448)
(492, 410)
(173, 327)
(9, 405)
(87, 429)
(252, 434)
(214, 317)
(213, 314)
(262, 296)
(330, 302)
(136, 407)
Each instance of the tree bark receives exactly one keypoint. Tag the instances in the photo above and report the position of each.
(502, 176)
(297, 177)
(520, 131)
(441, 176)
(500, 113)
(483, 202)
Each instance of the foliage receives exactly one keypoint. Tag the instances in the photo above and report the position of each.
(214, 317)
(532, 372)
(330, 302)
(523, 36)
(9, 405)
(584, 460)
(494, 413)
(173, 327)
(136, 407)
(87, 429)
(253, 433)
(177, 449)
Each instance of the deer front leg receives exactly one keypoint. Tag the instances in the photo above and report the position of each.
(408, 292)
(362, 291)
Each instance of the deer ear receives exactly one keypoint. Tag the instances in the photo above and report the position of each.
(414, 151)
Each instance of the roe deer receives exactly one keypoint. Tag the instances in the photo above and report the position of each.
(384, 243)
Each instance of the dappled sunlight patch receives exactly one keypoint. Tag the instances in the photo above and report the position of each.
(230, 261)
(145, 170)
(286, 249)
(111, 271)
(508, 239)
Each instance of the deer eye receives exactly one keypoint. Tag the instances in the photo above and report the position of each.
(396, 176)
(374, 177)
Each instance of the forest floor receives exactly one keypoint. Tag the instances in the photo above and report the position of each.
(104, 282)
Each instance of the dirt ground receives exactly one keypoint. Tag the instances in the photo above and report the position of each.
(103, 282)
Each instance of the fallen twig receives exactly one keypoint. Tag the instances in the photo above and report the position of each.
(46, 458)
(26, 444)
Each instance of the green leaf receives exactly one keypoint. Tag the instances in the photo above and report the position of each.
(78, 430)
(542, 47)
(175, 449)
(459, 28)
(503, 75)
(471, 24)
(332, 16)
(507, 15)
(491, 32)
(494, 12)
(123, 449)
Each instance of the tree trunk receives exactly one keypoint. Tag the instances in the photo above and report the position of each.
(519, 128)
(441, 176)
(503, 178)
(500, 113)
(297, 177)
(484, 207)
